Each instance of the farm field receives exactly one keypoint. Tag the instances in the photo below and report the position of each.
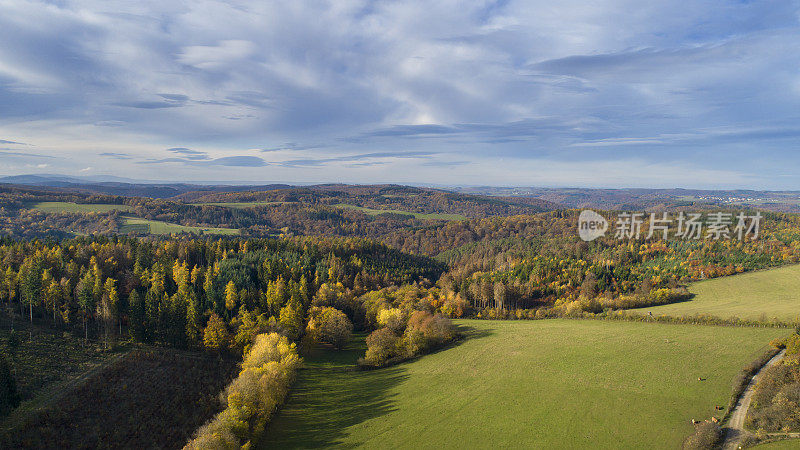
(132, 224)
(770, 293)
(534, 384)
(375, 212)
(67, 207)
(137, 225)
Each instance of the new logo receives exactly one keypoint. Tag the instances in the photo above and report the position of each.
(591, 225)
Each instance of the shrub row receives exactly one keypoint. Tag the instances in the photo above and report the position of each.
(695, 319)
(268, 369)
(745, 375)
(776, 401)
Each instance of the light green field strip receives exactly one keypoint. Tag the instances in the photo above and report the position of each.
(137, 225)
(526, 384)
(767, 293)
(60, 207)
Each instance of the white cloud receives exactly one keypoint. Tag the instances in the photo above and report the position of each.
(615, 80)
(219, 56)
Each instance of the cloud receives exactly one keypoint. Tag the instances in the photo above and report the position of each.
(204, 160)
(190, 154)
(351, 158)
(706, 85)
(216, 56)
(122, 156)
(444, 163)
(150, 104)
(12, 152)
(11, 142)
(413, 130)
(238, 161)
(291, 146)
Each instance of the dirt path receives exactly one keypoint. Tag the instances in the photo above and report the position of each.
(734, 431)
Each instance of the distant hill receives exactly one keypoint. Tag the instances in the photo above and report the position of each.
(131, 188)
(470, 201)
(384, 197)
(650, 199)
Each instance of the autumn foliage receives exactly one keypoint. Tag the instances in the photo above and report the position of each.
(267, 373)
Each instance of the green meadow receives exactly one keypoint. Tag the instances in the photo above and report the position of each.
(62, 207)
(762, 294)
(524, 384)
(375, 212)
(137, 225)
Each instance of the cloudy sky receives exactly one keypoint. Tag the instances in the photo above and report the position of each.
(533, 93)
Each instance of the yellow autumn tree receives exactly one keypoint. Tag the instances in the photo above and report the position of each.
(231, 297)
(215, 335)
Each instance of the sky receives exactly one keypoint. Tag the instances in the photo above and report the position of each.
(698, 94)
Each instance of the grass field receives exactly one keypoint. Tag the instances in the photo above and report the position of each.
(133, 224)
(375, 212)
(524, 384)
(137, 225)
(768, 293)
(60, 207)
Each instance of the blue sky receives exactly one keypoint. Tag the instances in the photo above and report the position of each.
(699, 94)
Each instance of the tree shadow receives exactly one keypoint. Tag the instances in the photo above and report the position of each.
(330, 395)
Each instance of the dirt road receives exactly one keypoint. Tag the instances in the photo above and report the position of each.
(734, 431)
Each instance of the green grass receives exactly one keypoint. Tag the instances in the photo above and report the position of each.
(239, 205)
(525, 384)
(375, 212)
(62, 207)
(755, 295)
(137, 225)
(132, 224)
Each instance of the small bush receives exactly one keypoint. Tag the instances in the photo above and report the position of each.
(394, 319)
(382, 345)
(331, 326)
(423, 332)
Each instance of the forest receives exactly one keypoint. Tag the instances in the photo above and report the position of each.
(303, 272)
